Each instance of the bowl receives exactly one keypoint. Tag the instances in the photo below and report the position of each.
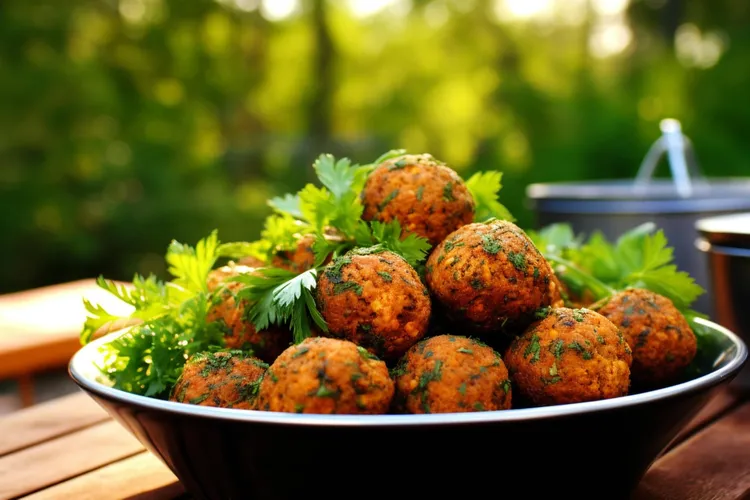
(597, 449)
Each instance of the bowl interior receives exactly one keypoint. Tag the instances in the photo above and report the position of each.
(720, 356)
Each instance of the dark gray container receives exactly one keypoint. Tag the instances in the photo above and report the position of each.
(725, 240)
(674, 205)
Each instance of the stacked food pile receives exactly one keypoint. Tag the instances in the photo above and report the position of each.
(399, 287)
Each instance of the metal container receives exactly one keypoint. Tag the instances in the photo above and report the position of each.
(674, 205)
(726, 242)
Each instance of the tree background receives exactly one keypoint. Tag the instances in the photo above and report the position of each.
(125, 124)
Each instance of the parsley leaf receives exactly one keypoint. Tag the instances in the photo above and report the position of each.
(412, 248)
(639, 258)
(189, 265)
(282, 297)
(484, 188)
(149, 357)
(287, 204)
(239, 249)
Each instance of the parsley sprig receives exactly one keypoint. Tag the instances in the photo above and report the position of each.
(639, 258)
(484, 188)
(170, 321)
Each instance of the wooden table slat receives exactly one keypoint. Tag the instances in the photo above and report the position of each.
(49, 420)
(51, 462)
(723, 402)
(142, 476)
(714, 463)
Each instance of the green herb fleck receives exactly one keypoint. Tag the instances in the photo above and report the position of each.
(199, 399)
(464, 350)
(506, 385)
(448, 192)
(490, 245)
(557, 348)
(386, 276)
(420, 192)
(388, 199)
(518, 260)
(532, 349)
(345, 286)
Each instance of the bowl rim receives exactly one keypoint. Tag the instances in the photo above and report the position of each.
(729, 370)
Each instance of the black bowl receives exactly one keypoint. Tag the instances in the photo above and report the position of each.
(597, 449)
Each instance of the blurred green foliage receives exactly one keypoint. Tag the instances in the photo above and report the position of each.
(124, 124)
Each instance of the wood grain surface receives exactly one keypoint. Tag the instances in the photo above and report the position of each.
(141, 476)
(49, 420)
(713, 464)
(62, 458)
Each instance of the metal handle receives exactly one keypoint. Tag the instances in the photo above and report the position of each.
(681, 157)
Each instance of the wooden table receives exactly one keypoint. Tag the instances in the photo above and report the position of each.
(40, 328)
(70, 448)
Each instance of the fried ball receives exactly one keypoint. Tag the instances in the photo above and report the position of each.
(376, 300)
(424, 195)
(325, 375)
(557, 292)
(489, 277)
(231, 316)
(572, 355)
(662, 341)
(448, 373)
(298, 260)
(217, 278)
(251, 261)
(229, 379)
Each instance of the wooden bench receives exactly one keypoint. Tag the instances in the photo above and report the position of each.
(39, 329)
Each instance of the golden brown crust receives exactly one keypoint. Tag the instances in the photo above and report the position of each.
(490, 277)
(325, 375)
(572, 355)
(425, 196)
(450, 373)
(376, 301)
(298, 260)
(224, 379)
(662, 341)
(231, 315)
(250, 261)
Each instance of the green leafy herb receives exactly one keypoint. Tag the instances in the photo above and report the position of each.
(281, 297)
(149, 357)
(484, 188)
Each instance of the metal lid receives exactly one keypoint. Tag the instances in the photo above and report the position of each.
(688, 191)
(726, 230)
(624, 196)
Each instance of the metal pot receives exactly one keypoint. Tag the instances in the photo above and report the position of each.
(726, 242)
(674, 205)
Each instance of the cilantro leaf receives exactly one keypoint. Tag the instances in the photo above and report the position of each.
(171, 321)
(484, 188)
(281, 232)
(190, 266)
(287, 204)
(281, 297)
(639, 258)
(654, 270)
(412, 248)
(239, 249)
(555, 239)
